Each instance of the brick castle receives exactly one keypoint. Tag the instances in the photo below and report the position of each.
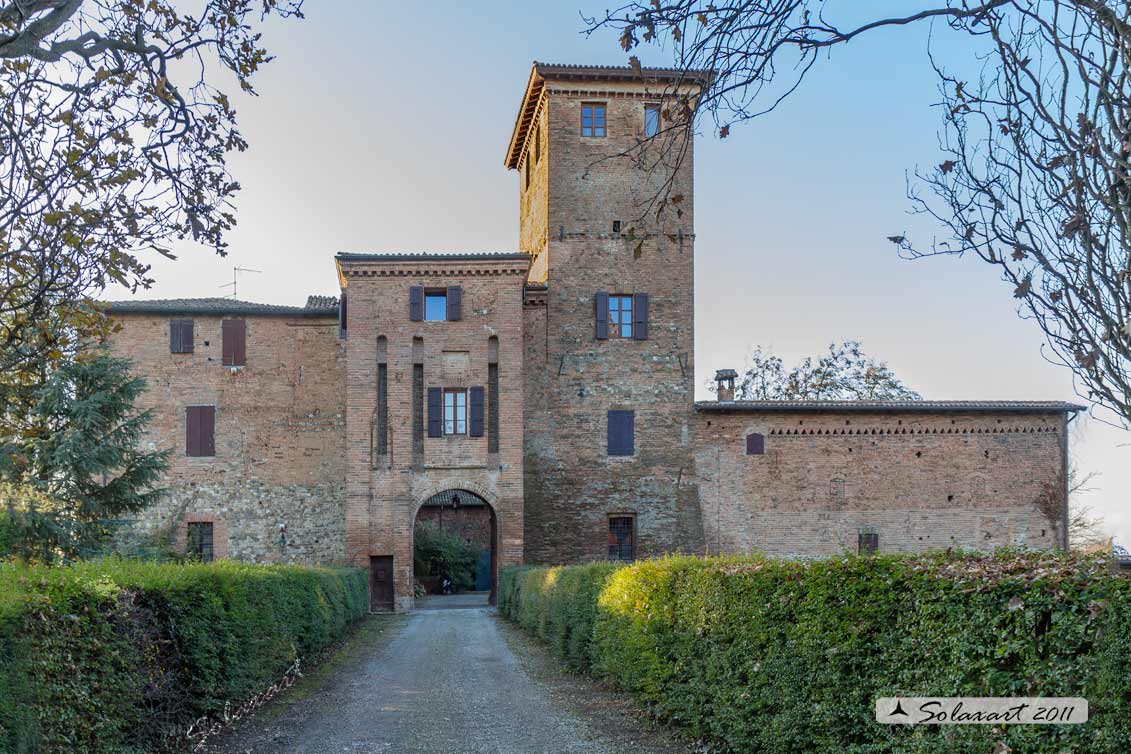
(543, 400)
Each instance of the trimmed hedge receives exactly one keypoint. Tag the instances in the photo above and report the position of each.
(779, 657)
(122, 656)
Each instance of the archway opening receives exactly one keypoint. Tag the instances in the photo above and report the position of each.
(455, 558)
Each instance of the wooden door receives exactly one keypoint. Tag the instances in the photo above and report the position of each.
(381, 583)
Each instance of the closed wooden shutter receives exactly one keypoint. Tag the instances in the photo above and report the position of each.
(640, 316)
(435, 412)
(601, 315)
(476, 422)
(455, 304)
(382, 409)
(180, 336)
(755, 444)
(200, 430)
(234, 333)
(416, 303)
(621, 433)
(492, 408)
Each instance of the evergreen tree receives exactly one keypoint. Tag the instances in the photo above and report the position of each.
(72, 460)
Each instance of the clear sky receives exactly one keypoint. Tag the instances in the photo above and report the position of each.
(382, 127)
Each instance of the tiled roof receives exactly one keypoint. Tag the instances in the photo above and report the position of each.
(617, 71)
(888, 406)
(328, 304)
(441, 256)
(327, 307)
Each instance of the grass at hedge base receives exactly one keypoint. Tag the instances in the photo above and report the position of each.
(122, 656)
(780, 657)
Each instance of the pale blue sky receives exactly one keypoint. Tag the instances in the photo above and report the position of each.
(383, 126)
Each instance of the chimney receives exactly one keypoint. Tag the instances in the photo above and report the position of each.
(725, 378)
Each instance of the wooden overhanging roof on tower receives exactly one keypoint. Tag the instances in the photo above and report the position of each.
(540, 72)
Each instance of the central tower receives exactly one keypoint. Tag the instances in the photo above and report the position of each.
(606, 209)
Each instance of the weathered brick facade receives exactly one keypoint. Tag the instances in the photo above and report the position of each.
(279, 440)
(303, 436)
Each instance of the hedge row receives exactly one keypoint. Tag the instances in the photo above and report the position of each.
(776, 657)
(123, 656)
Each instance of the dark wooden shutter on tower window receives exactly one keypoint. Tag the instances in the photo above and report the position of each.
(640, 316)
(416, 303)
(755, 444)
(200, 429)
(601, 315)
(435, 412)
(180, 336)
(621, 433)
(476, 400)
(234, 333)
(342, 316)
(455, 303)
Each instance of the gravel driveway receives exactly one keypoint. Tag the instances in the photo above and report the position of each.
(451, 681)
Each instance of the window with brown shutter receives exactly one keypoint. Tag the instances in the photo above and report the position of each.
(601, 315)
(622, 545)
(755, 444)
(435, 412)
(475, 408)
(180, 336)
(640, 316)
(200, 429)
(454, 303)
(234, 332)
(621, 433)
(416, 303)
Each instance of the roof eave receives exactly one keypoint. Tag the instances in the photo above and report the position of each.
(926, 407)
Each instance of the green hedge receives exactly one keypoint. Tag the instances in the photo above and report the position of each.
(778, 657)
(122, 656)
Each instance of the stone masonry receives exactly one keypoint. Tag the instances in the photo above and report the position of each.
(582, 443)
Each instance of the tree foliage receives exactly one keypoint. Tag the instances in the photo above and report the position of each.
(114, 139)
(844, 372)
(1034, 179)
(439, 552)
(72, 459)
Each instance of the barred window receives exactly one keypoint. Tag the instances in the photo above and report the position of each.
(621, 538)
(199, 541)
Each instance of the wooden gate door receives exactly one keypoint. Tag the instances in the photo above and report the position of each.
(381, 583)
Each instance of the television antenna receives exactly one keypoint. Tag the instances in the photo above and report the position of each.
(235, 273)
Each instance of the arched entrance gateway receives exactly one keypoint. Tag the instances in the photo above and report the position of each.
(455, 546)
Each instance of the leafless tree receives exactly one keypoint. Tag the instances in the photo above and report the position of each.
(113, 143)
(1034, 178)
(1086, 528)
(844, 372)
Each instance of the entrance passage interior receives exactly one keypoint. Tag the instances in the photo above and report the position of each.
(454, 551)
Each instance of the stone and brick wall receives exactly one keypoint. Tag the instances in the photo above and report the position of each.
(386, 492)
(279, 433)
(919, 481)
(572, 484)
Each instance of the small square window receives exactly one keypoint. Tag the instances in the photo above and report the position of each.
(198, 542)
(868, 543)
(620, 316)
(651, 120)
(455, 412)
(621, 538)
(592, 120)
(435, 306)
